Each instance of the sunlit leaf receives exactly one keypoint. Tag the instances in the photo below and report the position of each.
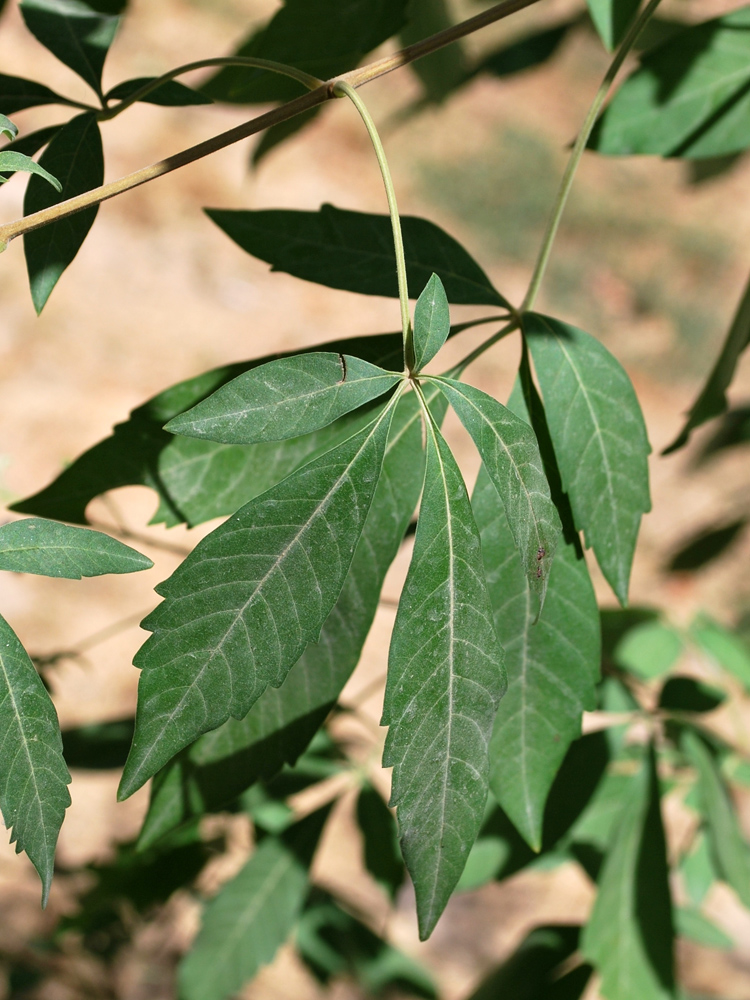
(253, 914)
(354, 251)
(241, 608)
(29, 144)
(49, 548)
(723, 646)
(74, 32)
(12, 161)
(697, 869)
(283, 721)
(599, 438)
(75, 157)
(629, 937)
(33, 776)
(284, 399)
(649, 650)
(691, 924)
(612, 18)
(510, 454)
(552, 664)
(7, 128)
(729, 850)
(445, 678)
(689, 97)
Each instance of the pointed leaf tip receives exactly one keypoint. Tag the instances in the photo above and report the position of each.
(446, 676)
(432, 322)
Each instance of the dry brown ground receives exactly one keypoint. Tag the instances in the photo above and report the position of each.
(158, 294)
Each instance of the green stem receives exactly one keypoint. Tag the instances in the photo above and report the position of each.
(343, 89)
(578, 150)
(311, 82)
(458, 370)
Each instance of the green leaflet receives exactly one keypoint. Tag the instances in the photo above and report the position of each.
(712, 400)
(7, 128)
(12, 161)
(599, 438)
(75, 157)
(432, 322)
(612, 19)
(354, 251)
(16, 94)
(532, 971)
(195, 480)
(52, 549)
(724, 647)
(381, 853)
(241, 608)
(29, 144)
(322, 37)
(686, 694)
(284, 399)
(690, 96)
(169, 95)
(253, 914)
(697, 869)
(283, 721)
(729, 850)
(552, 664)
(630, 937)
(691, 924)
(445, 678)
(78, 35)
(510, 455)
(331, 942)
(33, 776)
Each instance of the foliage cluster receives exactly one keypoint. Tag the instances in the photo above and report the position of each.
(318, 461)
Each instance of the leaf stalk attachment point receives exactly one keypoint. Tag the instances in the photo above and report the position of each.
(343, 89)
(578, 149)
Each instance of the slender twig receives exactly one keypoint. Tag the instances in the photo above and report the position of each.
(578, 150)
(344, 89)
(458, 369)
(311, 82)
(306, 102)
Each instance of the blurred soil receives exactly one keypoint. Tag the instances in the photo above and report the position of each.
(646, 260)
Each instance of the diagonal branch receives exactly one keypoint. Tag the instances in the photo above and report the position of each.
(355, 78)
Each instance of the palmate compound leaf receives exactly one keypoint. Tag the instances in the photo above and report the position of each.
(280, 725)
(354, 251)
(445, 679)
(74, 32)
(689, 97)
(285, 399)
(49, 548)
(510, 455)
(432, 322)
(241, 608)
(552, 663)
(252, 915)
(195, 480)
(599, 438)
(729, 850)
(33, 776)
(75, 157)
(630, 935)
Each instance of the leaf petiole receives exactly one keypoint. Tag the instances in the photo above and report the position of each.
(343, 89)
